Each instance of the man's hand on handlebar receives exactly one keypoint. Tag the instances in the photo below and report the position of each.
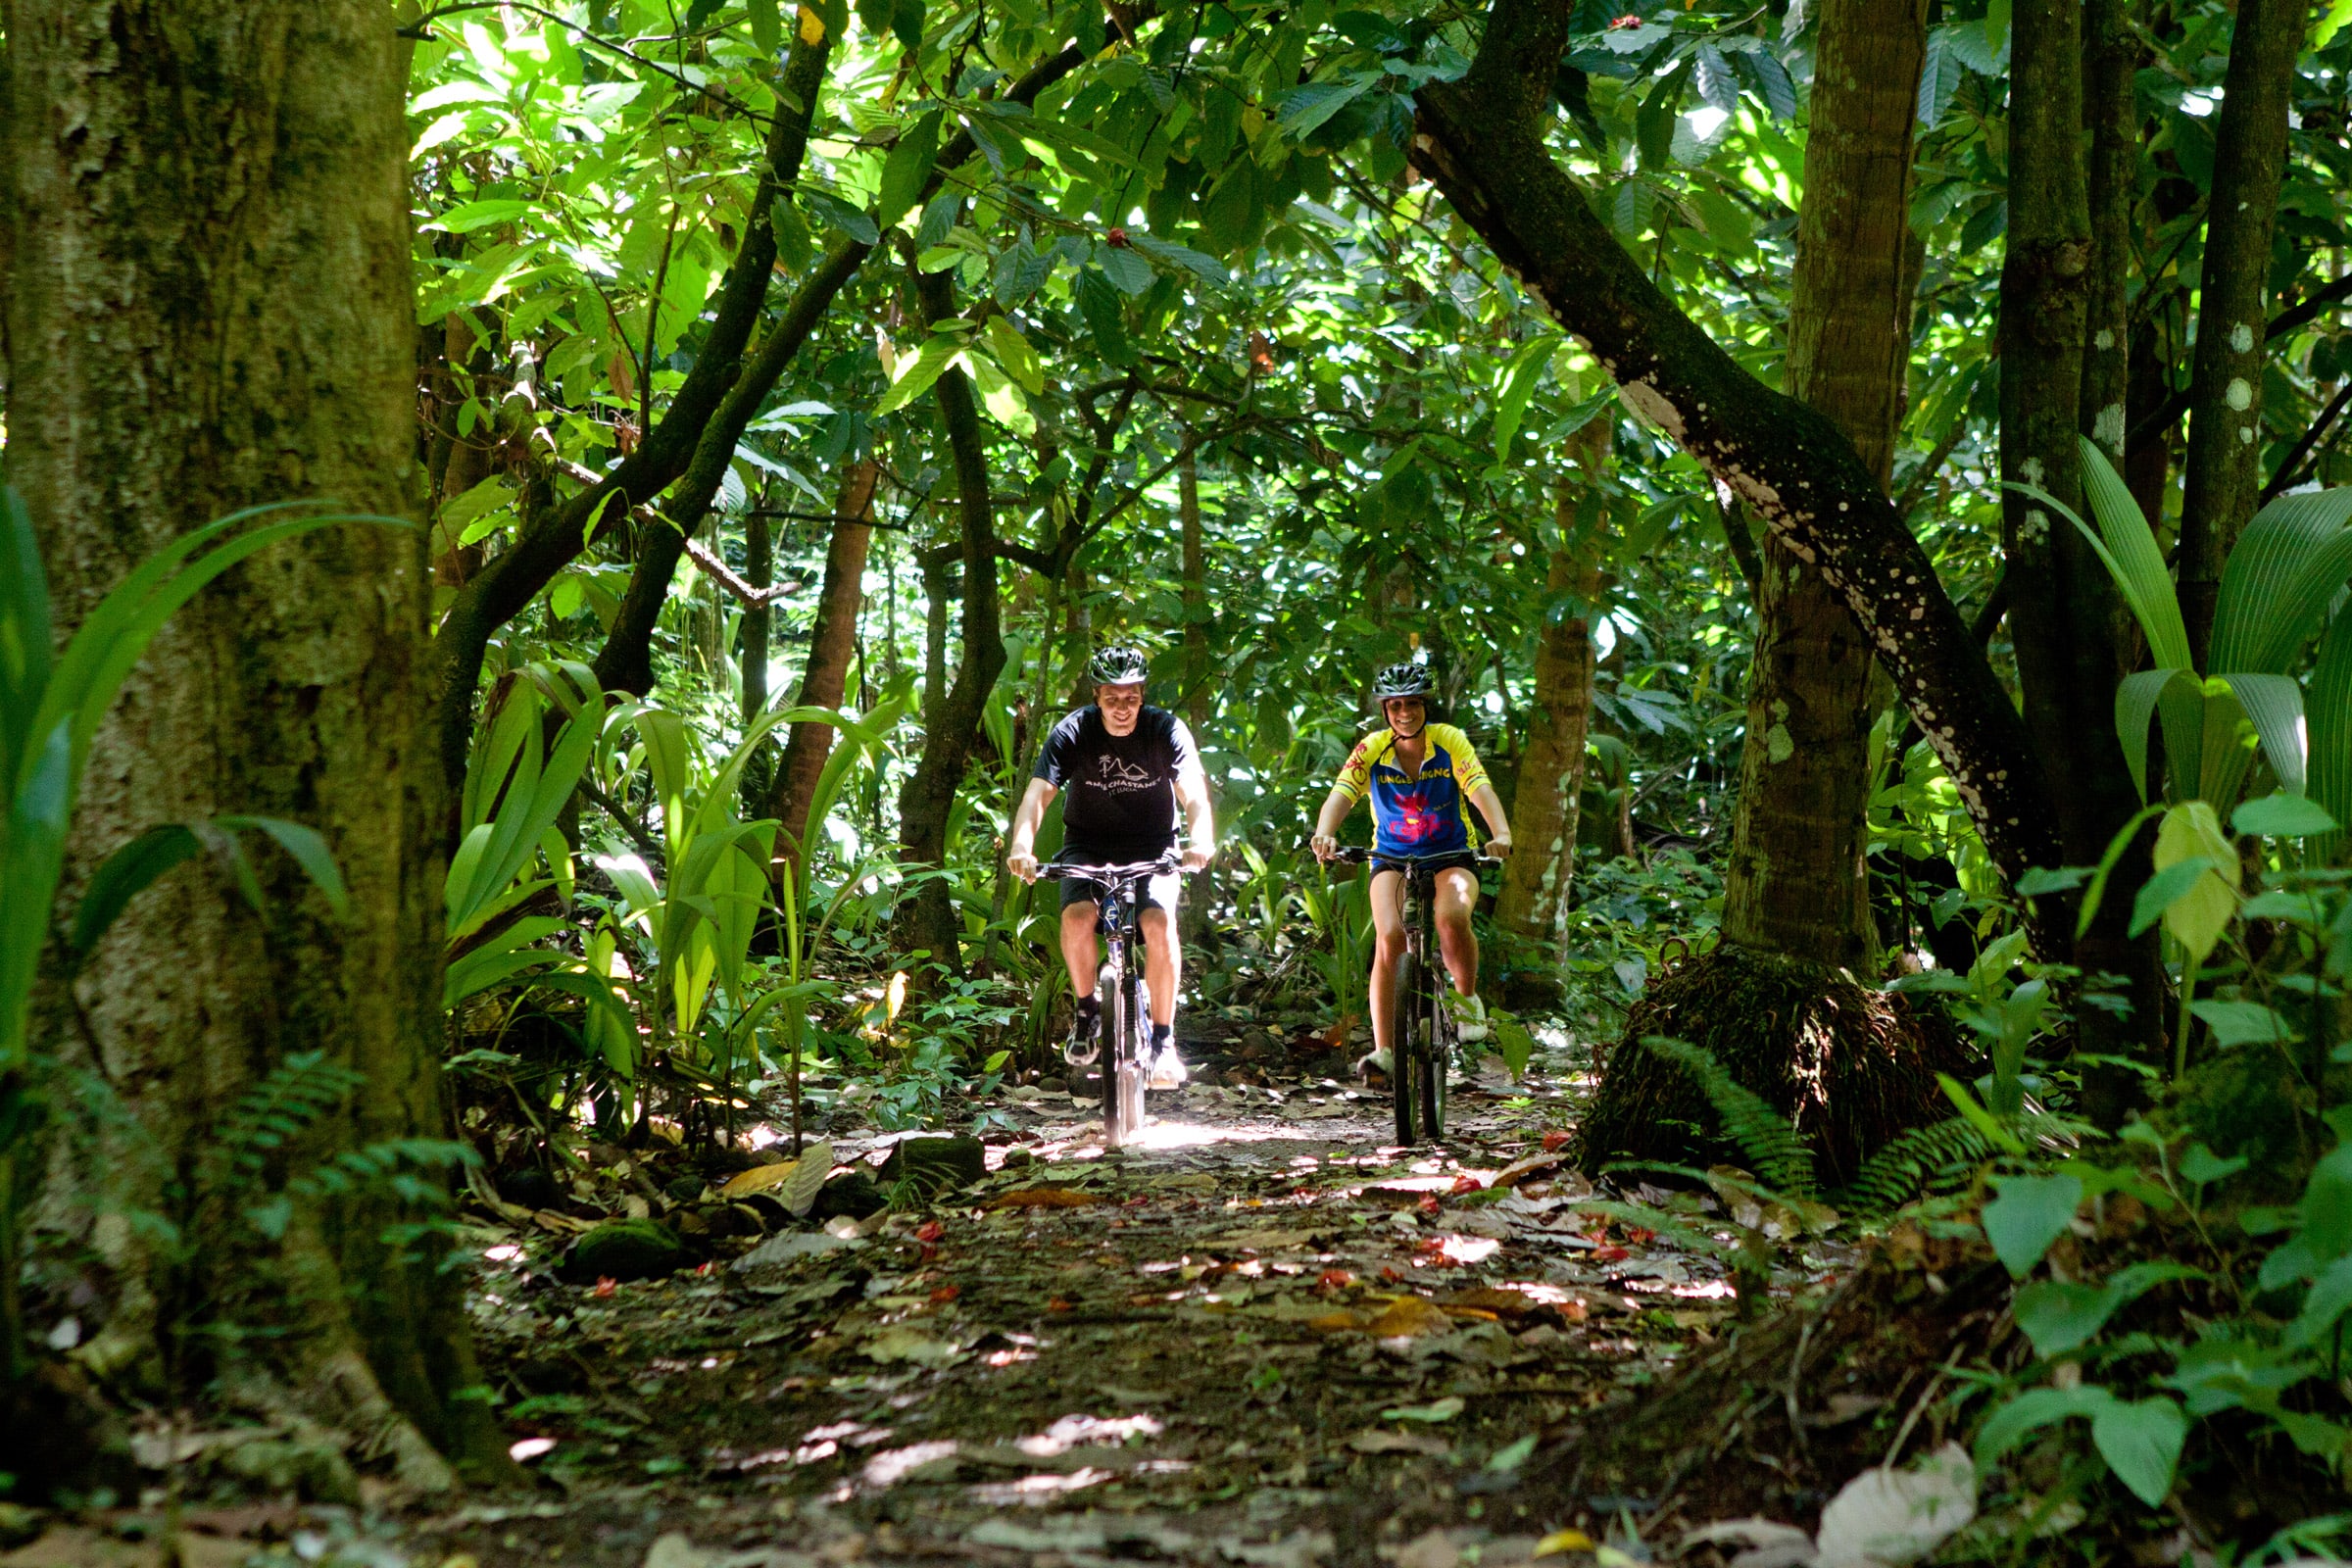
(1022, 864)
(1196, 859)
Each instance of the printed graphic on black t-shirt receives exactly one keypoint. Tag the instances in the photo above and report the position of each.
(1118, 792)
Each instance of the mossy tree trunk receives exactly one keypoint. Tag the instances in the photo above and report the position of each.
(1483, 141)
(1534, 900)
(1797, 883)
(209, 307)
(824, 679)
(2223, 473)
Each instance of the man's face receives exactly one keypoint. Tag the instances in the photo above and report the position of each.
(1121, 706)
(1405, 714)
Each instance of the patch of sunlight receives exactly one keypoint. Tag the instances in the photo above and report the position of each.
(1103, 1432)
(1707, 1291)
(1159, 1133)
(888, 1469)
(1034, 1490)
(529, 1448)
(1465, 1250)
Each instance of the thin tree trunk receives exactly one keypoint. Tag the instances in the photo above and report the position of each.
(1797, 883)
(210, 307)
(1534, 900)
(2224, 386)
(825, 677)
(1482, 139)
(951, 716)
(760, 570)
(1200, 893)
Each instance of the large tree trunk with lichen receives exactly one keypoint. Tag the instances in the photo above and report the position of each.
(825, 678)
(209, 307)
(1796, 883)
(1483, 141)
(1534, 900)
(2223, 475)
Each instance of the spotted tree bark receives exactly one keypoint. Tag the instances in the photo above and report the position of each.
(1537, 882)
(824, 679)
(1797, 882)
(1482, 138)
(209, 307)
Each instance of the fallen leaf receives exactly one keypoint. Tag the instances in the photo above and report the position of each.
(899, 1343)
(1334, 1279)
(1553, 1141)
(1409, 1316)
(1487, 1303)
(1466, 1183)
(1328, 1323)
(1378, 1442)
(1044, 1198)
(1562, 1540)
(605, 1287)
(1428, 1204)
(929, 1230)
(1444, 1409)
(761, 1178)
(1893, 1517)
(946, 1293)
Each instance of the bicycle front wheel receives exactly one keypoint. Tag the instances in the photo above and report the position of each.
(1110, 989)
(1408, 1024)
(1437, 1063)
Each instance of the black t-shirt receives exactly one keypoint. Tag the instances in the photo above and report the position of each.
(1118, 792)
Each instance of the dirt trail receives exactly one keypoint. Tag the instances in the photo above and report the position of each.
(1259, 1337)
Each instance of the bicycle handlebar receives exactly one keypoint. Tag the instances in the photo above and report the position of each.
(1360, 855)
(1056, 870)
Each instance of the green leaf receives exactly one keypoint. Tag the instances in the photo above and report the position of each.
(1230, 217)
(2328, 708)
(1128, 272)
(2030, 1212)
(2282, 575)
(840, 214)
(1307, 107)
(2140, 1441)
(124, 874)
(2059, 1316)
(2202, 1166)
(2033, 1410)
(1518, 384)
(1200, 264)
(2159, 892)
(906, 25)
(2282, 816)
(768, 25)
(2330, 1295)
(2242, 1023)
(467, 216)
(918, 371)
(1939, 78)
(308, 849)
(1098, 302)
(907, 167)
(795, 247)
(2128, 546)
(2274, 706)
(1012, 351)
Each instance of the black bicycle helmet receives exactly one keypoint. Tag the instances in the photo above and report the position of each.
(1119, 665)
(1408, 679)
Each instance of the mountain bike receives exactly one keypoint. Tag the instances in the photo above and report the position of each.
(1422, 1039)
(1123, 1037)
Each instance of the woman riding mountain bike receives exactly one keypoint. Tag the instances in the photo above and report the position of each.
(1423, 778)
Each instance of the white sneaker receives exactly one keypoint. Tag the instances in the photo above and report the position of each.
(1469, 1015)
(1168, 1069)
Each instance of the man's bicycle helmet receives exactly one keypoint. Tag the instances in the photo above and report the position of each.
(1119, 665)
(1400, 680)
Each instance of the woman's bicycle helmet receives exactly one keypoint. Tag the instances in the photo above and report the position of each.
(1400, 680)
(1119, 665)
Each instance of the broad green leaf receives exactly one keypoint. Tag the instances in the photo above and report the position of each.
(2197, 916)
(2242, 1023)
(796, 248)
(2140, 1441)
(2282, 816)
(1307, 107)
(2158, 893)
(1518, 384)
(1200, 264)
(1098, 302)
(2030, 1212)
(467, 216)
(307, 851)
(123, 876)
(2128, 548)
(2033, 1410)
(2328, 709)
(1012, 351)
(918, 371)
(1129, 273)
(766, 17)
(2285, 570)
(2323, 1304)
(841, 216)
(907, 167)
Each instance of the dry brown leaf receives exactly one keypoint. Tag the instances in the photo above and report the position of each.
(1519, 1170)
(759, 1179)
(1489, 1302)
(1045, 1198)
(1409, 1316)
(1336, 1323)
(1380, 1441)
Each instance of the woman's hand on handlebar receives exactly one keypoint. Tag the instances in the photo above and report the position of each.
(1323, 843)
(1498, 847)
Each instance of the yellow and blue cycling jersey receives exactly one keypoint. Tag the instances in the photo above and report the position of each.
(1425, 815)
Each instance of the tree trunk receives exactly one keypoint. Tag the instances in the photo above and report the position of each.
(2225, 385)
(951, 716)
(211, 308)
(758, 620)
(825, 677)
(1482, 139)
(1797, 884)
(1195, 926)
(1536, 883)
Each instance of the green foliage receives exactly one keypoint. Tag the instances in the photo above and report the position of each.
(1770, 1140)
(1936, 1157)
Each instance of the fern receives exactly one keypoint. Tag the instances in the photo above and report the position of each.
(272, 1114)
(1771, 1145)
(1920, 1157)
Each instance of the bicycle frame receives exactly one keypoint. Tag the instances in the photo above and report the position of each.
(1126, 1018)
(1421, 1031)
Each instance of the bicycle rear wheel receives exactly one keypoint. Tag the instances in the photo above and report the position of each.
(1111, 1044)
(1436, 1065)
(1408, 1020)
(1134, 1065)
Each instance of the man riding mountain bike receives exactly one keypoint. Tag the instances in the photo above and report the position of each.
(1422, 778)
(1126, 767)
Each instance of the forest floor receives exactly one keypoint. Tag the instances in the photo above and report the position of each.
(1260, 1335)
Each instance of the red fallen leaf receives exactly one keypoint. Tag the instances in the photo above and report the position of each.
(1639, 1236)
(1057, 1304)
(1610, 1255)
(1467, 1183)
(1335, 1279)
(929, 1230)
(1553, 1142)
(703, 1270)
(1137, 1202)
(604, 1286)
(1428, 1204)
(1391, 1272)
(946, 1293)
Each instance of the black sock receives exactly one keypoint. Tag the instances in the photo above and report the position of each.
(1163, 1035)
(1085, 1012)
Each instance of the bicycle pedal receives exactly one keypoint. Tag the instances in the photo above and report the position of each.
(1085, 1055)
